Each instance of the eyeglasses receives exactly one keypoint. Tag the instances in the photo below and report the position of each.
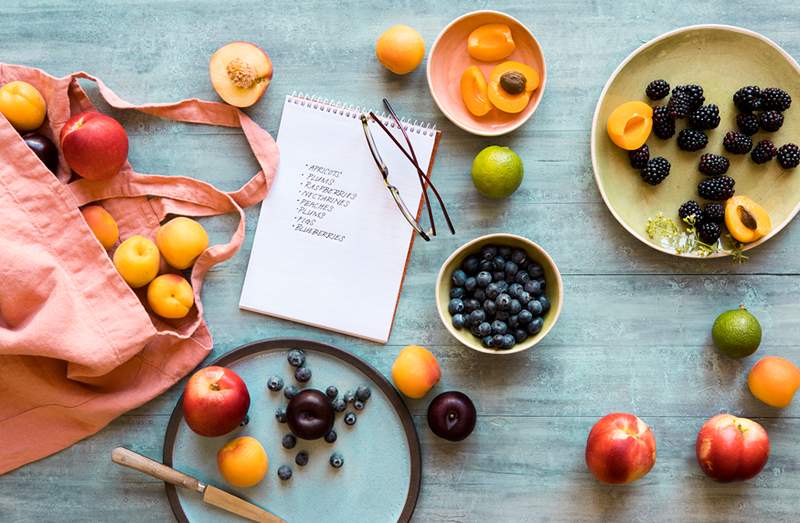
(424, 180)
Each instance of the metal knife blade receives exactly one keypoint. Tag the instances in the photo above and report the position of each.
(221, 499)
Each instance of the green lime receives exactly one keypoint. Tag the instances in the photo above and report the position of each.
(737, 333)
(497, 172)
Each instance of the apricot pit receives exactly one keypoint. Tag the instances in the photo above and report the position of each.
(746, 220)
(240, 73)
(511, 84)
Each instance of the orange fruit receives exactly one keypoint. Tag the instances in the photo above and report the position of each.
(243, 462)
(400, 49)
(774, 381)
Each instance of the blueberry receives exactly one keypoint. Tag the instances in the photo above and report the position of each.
(479, 294)
(285, 473)
(533, 288)
(504, 251)
(302, 458)
(275, 383)
(518, 256)
(302, 374)
(349, 396)
(459, 277)
(508, 341)
(499, 327)
(296, 358)
(471, 304)
(363, 393)
(332, 392)
(515, 306)
(350, 418)
(459, 321)
(514, 289)
(484, 329)
(509, 279)
(487, 341)
(289, 441)
(339, 405)
(489, 307)
(522, 277)
(510, 268)
(498, 276)
(477, 317)
(291, 391)
(520, 335)
(474, 330)
(330, 436)
(535, 270)
(470, 284)
(455, 306)
(503, 301)
(492, 290)
(499, 263)
(458, 292)
(535, 326)
(497, 341)
(470, 264)
(483, 279)
(503, 286)
(336, 460)
(486, 266)
(502, 315)
(535, 307)
(525, 316)
(513, 321)
(545, 304)
(542, 284)
(488, 252)
(245, 421)
(280, 415)
(358, 405)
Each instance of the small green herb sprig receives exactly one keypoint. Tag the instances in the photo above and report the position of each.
(667, 232)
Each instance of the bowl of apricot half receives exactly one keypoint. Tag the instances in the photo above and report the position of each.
(486, 73)
(499, 294)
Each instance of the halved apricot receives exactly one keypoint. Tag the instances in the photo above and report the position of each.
(474, 91)
(746, 220)
(511, 84)
(629, 125)
(240, 73)
(490, 42)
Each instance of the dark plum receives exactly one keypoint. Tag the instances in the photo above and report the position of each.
(452, 416)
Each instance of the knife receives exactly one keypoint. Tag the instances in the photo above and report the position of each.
(211, 494)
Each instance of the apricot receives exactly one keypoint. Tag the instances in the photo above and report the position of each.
(400, 49)
(415, 371)
(170, 296)
(22, 105)
(490, 42)
(746, 220)
(511, 84)
(240, 73)
(181, 240)
(243, 462)
(102, 225)
(629, 125)
(474, 91)
(137, 261)
(774, 381)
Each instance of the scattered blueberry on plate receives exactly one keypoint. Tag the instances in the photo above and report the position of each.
(275, 383)
(350, 418)
(296, 358)
(280, 414)
(285, 472)
(291, 391)
(336, 460)
(302, 458)
(302, 374)
(332, 392)
(289, 441)
(331, 436)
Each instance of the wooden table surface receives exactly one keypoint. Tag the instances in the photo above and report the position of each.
(634, 332)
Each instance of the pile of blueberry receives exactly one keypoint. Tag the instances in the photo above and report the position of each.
(302, 374)
(498, 294)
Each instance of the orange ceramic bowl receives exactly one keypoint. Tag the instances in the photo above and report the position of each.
(448, 58)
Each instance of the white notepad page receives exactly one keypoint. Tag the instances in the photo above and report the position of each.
(331, 246)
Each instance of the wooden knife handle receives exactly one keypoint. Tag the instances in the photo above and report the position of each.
(131, 459)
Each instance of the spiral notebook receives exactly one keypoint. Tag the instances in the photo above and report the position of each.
(331, 246)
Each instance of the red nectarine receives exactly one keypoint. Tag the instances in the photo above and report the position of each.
(732, 449)
(621, 448)
(215, 401)
(94, 145)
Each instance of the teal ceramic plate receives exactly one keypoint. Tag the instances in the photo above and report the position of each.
(721, 59)
(379, 481)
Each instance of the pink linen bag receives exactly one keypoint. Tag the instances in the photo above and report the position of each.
(78, 347)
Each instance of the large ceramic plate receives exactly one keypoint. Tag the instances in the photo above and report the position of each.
(380, 480)
(721, 59)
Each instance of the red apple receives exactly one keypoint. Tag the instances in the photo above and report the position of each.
(621, 448)
(215, 401)
(94, 145)
(732, 449)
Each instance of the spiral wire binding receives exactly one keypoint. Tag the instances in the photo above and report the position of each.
(353, 111)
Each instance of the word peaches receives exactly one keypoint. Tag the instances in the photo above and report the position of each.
(774, 380)
(243, 462)
(94, 145)
(731, 449)
(400, 49)
(621, 448)
(215, 401)
(240, 73)
(23, 105)
(415, 371)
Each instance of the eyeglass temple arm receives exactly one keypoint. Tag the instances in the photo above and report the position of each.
(373, 149)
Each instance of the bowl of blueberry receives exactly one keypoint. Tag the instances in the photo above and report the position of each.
(499, 294)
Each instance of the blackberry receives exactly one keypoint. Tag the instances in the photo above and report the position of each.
(775, 99)
(748, 98)
(655, 171)
(737, 143)
(713, 164)
(706, 117)
(663, 123)
(718, 188)
(789, 156)
(747, 123)
(695, 93)
(709, 232)
(714, 212)
(763, 152)
(692, 139)
(691, 208)
(639, 157)
(657, 89)
(680, 104)
(770, 121)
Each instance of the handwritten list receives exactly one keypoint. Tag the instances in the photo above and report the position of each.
(318, 196)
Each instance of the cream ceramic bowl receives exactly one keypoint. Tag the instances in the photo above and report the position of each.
(553, 290)
(448, 58)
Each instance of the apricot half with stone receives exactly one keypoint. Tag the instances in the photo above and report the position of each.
(629, 125)
(746, 220)
(490, 42)
(511, 84)
(240, 73)
(475, 91)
